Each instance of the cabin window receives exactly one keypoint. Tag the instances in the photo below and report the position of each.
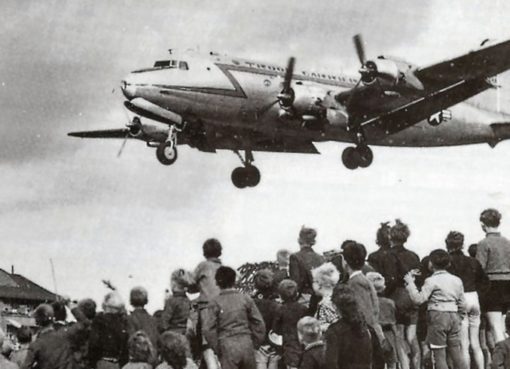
(183, 65)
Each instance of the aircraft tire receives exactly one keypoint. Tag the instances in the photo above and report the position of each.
(239, 177)
(351, 158)
(166, 154)
(252, 176)
(366, 156)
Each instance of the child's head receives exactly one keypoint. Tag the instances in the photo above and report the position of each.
(325, 277)
(140, 348)
(309, 330)
(490, 218)
(113, 303)
(288, 290)
(88, 308)
(346, 304)
(43, 315)
(377, 280)
(180, 280)
(24, 334)
(282, 258)
(263, 280)
(472, 250)
(59, 310)
(354, 255)
(383, 235)
(454, 241)
(212, 248)
(225, 277)
(138, 297)
(439, 260)
(307, 237)
(399, 233)
(174, 348)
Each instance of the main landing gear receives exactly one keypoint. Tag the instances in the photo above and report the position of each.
(248, 175)
(167, 151)
(360, 156)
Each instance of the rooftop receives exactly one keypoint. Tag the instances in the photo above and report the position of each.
(15, 286)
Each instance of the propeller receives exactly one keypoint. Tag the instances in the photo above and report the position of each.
(368, 68)
(124, 141)
(287, 95)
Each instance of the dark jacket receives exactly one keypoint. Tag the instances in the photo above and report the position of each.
(108, 338)
(50, 350)
(378, 258)
(347, 348)
(176, 313)
(501, 355)
(233, 314)
(140, 320)
(469, 270)
(313, 356)
(398, 262)
(301, 264)
(279, 275)
(285, 324)
(269, 309)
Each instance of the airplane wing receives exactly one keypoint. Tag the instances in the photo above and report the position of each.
(445, 84)
(105, 133)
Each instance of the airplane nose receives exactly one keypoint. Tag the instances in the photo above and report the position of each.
(128, 88)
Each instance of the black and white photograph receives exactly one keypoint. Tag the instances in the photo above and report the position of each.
(254, 184)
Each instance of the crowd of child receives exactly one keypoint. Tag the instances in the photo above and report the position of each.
(355, 311)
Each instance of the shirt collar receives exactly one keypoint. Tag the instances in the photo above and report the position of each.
(314, 344)
(215, 260)
(493, 233)
(439, 272)
(456, 252)
(355, 273)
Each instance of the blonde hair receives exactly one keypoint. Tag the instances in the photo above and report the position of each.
(326, 275)
(113, 303)
(309, 328)
(181, 279)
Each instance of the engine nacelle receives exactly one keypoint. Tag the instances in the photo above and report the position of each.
(135, 128)
(392, 74)
(307, 102)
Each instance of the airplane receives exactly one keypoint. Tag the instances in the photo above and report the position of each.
(214, 102)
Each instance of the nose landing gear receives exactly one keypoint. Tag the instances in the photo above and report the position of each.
(248, 175)
(167, 151)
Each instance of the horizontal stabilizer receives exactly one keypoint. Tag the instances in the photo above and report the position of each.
(105, 133)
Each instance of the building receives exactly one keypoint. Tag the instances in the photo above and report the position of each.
(19, 296)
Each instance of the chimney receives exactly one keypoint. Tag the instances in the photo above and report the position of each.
(12, 269)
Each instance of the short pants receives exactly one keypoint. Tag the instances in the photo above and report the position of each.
(443, 329)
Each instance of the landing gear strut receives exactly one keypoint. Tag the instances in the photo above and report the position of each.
(360, 156)
(167, 151)
(248, 175)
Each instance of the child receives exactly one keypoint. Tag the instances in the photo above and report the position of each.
(174, 350)
(501, 355)
(445, 295)
(387, 319)
(285, 322)
(266, 356)
(24, 336)
(178, 306)
(354, 259)
(325, 279)
(233, 326)
(309, 334)
(140, 320)
(349, 342)
(140, 350)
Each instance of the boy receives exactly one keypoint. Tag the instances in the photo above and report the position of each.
(233, 325)
(139, 319)
(444, 294)
(501, 355)
(309, 334)
(177, 306)
(285, 322)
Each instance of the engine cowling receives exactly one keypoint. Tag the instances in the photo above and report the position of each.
(307, 103)
(135, 128)
(392, 74)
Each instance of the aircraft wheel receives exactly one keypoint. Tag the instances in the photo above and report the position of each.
(252, 176)
(239, 178)
(166, 153)
(351, 158)
(366, 156)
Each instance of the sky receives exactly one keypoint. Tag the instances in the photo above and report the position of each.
(132, 220)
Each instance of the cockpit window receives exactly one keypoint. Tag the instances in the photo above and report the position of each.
(183, 65)
(164, 64)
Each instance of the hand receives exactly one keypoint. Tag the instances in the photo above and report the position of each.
(409, 277)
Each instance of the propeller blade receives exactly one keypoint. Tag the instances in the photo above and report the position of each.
(123, 145)
(288, 74)
(360, 49)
